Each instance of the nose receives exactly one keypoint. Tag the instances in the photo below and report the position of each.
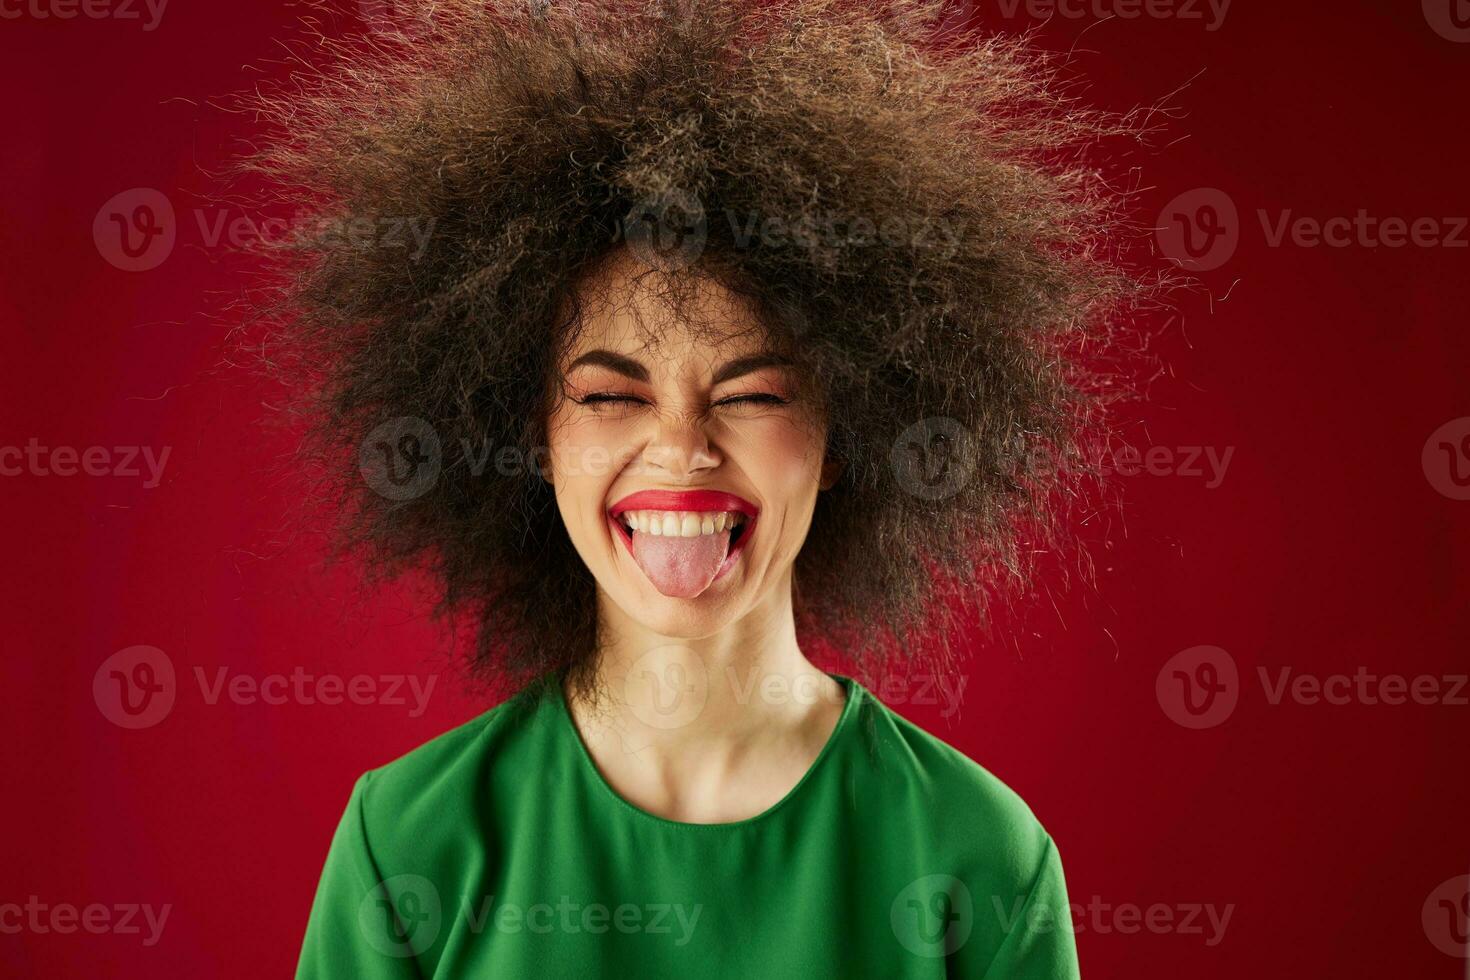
(680, 446)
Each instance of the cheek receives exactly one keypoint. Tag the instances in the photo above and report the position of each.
(583, 450)
(782, 449)
(784, 462)
(575, 452)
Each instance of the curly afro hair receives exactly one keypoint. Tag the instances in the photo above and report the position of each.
(911, 213)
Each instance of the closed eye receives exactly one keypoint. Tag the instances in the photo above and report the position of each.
(604, 398)
(761, 398)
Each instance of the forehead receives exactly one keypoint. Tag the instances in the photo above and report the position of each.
(677, 322)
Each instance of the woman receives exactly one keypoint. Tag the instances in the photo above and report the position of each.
(704, 282)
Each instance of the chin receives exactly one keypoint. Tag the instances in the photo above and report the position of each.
(685, 619)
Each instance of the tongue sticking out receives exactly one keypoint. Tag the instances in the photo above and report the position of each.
(681, 567)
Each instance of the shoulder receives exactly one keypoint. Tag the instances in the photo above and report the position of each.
(985, 826)
(428, 792)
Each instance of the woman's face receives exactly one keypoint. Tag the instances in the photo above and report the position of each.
(685, 467)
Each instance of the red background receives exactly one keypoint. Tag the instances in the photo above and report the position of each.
(1326, 548)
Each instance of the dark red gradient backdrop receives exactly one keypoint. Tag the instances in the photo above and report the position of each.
(1329, 541)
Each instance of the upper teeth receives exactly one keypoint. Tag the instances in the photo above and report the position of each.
(680, 523)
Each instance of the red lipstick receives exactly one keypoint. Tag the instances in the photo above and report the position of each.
(697, 500)
(688, 500)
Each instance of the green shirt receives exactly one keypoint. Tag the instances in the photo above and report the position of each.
(497, 850)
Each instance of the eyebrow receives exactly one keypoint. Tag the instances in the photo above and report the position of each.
(628, 367)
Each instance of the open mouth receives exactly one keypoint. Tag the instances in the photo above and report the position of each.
(683, 540)
(684, 524)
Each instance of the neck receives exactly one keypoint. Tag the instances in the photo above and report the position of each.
(709, 726)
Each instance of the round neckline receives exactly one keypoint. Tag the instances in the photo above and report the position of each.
(568, 725)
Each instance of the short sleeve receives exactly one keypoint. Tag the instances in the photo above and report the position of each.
(362, 927)
(1040, 943)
